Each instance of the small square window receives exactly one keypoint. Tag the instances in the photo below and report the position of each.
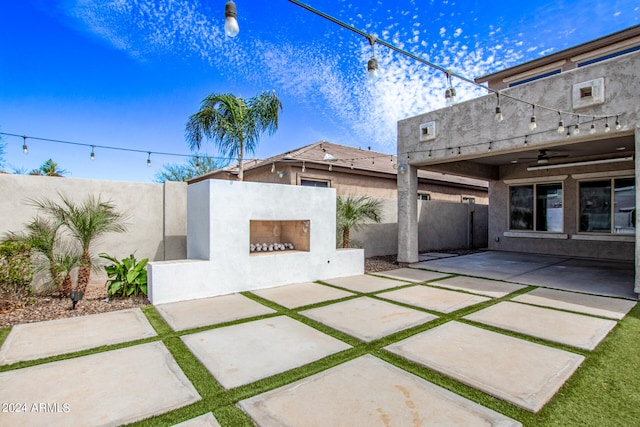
(586, 92)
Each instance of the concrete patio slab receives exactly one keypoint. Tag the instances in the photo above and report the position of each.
(241, 354)
(365, 283)
(439, 254)
(412, 274)
(614, 308)
(206, 420)
(518, 371)
(492, 265)
(433, 298)
(576, 330)
(32, 341)
(301, 294)
(487, 287)
(110, 388)
(367, 392)
(200, 312)
(367, 318)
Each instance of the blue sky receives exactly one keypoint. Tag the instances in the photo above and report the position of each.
(128, 73)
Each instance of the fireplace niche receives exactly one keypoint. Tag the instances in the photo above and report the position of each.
(279, 236)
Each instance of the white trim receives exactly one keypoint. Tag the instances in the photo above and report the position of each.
(604, 238)
(606, 50)
(610, 174)
(535, 72)
(536, 235)
(535, 180)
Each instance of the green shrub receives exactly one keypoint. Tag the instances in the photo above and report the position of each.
(16, 274)
(127, 277)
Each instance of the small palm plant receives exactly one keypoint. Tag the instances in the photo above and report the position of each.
(352, 212)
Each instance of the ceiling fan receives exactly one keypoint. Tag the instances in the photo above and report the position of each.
(544, 156)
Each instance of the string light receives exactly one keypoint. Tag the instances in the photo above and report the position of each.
(25, 149)
(231, 27)
(532, 124)
(149, 159)
(489, 149)
(459, 151)
(576, 129)
(450, 92)
(607, 129)
(560, 123)
(618, 125)
(498, 116)
(273, 167)
(93, 154)
(525, 140)
(372, 64)
(592, 130)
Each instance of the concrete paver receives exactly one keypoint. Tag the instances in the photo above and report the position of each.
(240, 354)
(365, 283)
(433, 298)
(367, 392)
(206, 420)
(196, 313)
(32, 341)
(367, 318)
(521, 372)
(412, 274)
(558, 326)
(614, 308)
(490, 288)
(110, 388)
(301, 294)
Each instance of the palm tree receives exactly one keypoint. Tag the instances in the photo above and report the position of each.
(233, 123)
(352, 212)
(86, 222)
(49, 168)
(195, 166)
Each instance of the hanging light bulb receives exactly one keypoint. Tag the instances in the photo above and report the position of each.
(560, 123)
(607, 129)
(459, 151)
(273, 167)
(93, 154)
(429, 153)
(498, 116)
(576, 130)
(149, 159)
(450, 92)
(372, 64)
(197, 162)
(526, 142)
(618, 125)
(592, 130)
(532, 124)
(568, 131)
(304, 169)
(231, 27)
(25, 149)
(489, 149)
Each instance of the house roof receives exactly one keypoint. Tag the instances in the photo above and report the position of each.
(590, 46)
(347, 159)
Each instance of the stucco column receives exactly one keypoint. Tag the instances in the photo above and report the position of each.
(408, 215)
(637, 172)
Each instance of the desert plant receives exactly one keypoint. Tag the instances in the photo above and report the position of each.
(15, 274)
(127, 277)
(85, 222)
(352, 212)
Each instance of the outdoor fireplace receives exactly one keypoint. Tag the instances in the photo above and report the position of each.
(269, 236)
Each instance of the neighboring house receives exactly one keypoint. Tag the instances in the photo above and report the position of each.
(352, 171)
(565, 187)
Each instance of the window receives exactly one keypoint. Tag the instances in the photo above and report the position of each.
(424, 196)
(536, 207)
(314, 183)
(605, 211)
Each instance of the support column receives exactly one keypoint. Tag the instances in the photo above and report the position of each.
(408, 215)
(637, 173)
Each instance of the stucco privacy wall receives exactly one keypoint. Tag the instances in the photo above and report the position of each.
(463, 127)
(156, 213)
(441, 225)
(218, 237)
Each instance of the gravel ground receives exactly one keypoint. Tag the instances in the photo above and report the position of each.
(95, 300)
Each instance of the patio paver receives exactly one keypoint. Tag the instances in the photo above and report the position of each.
(30, 341)
(433, 298)
(412, 274)
(518, 371)
(367, 392)
(488, 287)
(365, 283)
(301, 294)
(367, 318)
(240, 354)
(614, 308)
(110, 388)
(196, 313)
(558, 326)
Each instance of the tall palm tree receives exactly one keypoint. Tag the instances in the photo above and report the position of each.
(86, 222)
(49, 168)
(352, 213)
(233, 123)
